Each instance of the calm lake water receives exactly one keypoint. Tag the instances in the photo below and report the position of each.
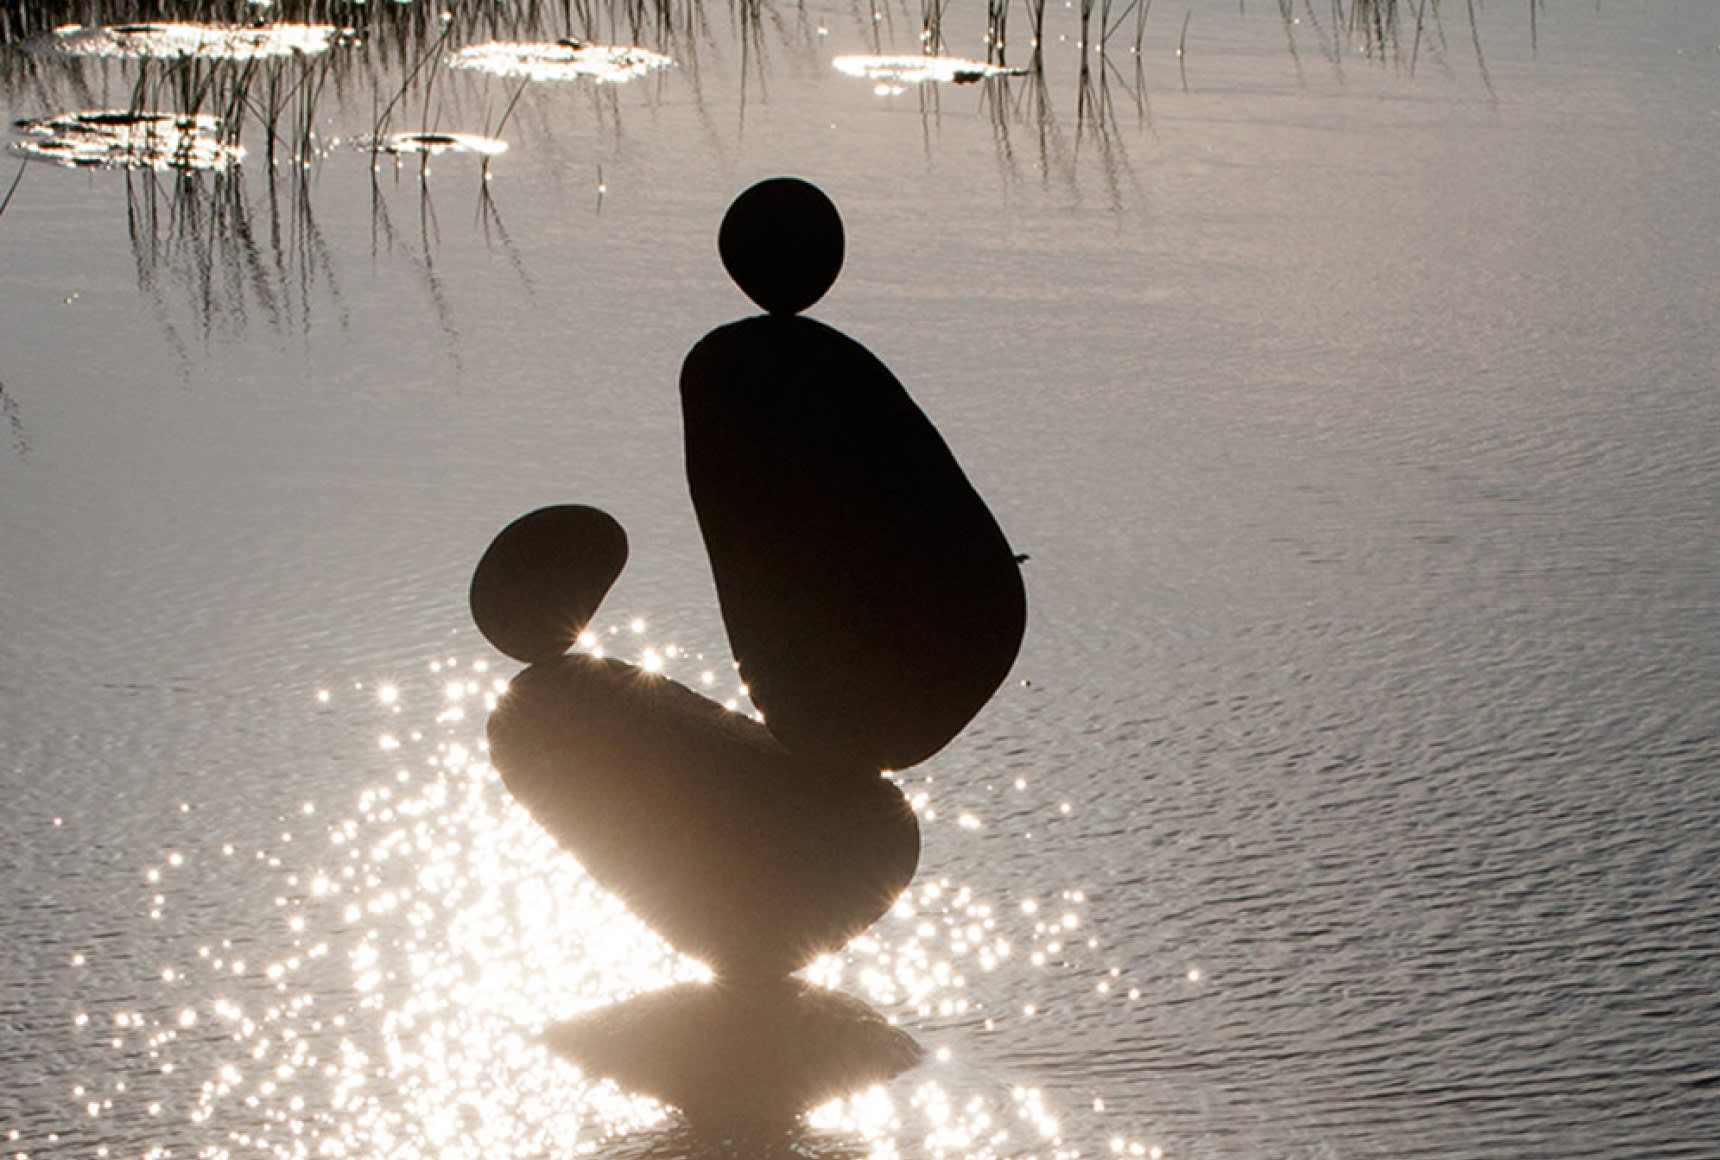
(1353, 389)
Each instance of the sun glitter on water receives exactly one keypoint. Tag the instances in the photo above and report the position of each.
(431, 933)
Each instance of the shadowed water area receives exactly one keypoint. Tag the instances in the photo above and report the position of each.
(1345, 370)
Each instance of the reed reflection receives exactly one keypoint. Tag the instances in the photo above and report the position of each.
(218, 253)
(14, 420)
(233, 87)
(231, 91)
(202, 248)
(1097, 118)
(1399, 33)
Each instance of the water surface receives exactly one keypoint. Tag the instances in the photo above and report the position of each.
(1354, 795)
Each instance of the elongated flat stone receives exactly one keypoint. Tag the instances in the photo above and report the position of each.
(741, 855)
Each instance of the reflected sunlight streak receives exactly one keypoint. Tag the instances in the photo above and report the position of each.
(435, 933)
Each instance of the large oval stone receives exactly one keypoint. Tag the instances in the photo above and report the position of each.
(870, 597)
(741, 855)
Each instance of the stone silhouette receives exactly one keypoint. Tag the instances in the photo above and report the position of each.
(746, 857)
(870, 597)
(543, 577)
(873, 606)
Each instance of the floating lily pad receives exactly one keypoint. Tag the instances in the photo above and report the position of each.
(204, 41)
(563, 60)
(436, 144)
(128, 139)
(892, 72)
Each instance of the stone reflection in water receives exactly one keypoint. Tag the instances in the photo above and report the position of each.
(755, 1054)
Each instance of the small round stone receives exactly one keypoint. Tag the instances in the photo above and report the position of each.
(781, 242)
(542, 578)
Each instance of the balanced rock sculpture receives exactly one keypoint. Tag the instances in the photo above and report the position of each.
(873, 606)
(746, 857)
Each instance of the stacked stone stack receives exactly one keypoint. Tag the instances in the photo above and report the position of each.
(872, 603)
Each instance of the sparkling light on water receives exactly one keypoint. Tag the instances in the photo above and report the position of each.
(892, 72)
(128, 139)
(185, 39)
(561, 61)
(431, 932)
